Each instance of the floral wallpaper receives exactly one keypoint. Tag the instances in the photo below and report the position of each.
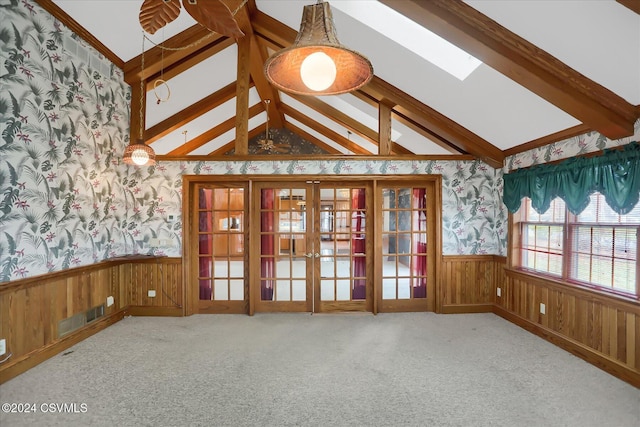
(571, 147)
(66, 198)
(63, 125)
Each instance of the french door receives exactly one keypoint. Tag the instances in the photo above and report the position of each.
(313, 241)
(405, 263)
(221, 236)
(312, 246)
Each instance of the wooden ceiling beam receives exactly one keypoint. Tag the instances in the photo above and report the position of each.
(426, 133)
(338, 116)
(443, 128)
(190, 113)
(633, 5)
(272, 30)
(322, 129)
(311, 139)
(384, 127)
(194, 39)
(345, 120)
(592, 104)
(416, 127)
(264, 88)
(169, 72)
(212, 133)
(224, 149)
(231, 144)
(420, 117)
(580, 129)
(242, 95)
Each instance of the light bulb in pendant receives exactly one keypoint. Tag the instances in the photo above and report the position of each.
(318, 71)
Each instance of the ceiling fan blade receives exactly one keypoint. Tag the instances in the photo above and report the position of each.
(214, 15)
(155, 14)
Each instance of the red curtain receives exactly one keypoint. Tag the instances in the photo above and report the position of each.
(267, 246)
(419, 243)
(358, 244)
(205, 247)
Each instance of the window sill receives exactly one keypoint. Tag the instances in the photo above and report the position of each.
(570, 288)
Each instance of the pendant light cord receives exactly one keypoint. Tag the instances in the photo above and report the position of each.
(141, 88)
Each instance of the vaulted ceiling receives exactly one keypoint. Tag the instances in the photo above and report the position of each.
(550, 70)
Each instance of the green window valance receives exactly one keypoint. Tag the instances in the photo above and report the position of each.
(615, 174)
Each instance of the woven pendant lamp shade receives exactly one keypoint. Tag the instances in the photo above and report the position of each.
(139, 154)
(318, 34)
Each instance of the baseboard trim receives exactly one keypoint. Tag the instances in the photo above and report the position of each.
(140, 310)
(589, 355)
(27, 361)
(466, 308)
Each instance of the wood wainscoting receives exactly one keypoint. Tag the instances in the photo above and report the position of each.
(468, 283)
(31, 309)
(162, 275)
(599, 328)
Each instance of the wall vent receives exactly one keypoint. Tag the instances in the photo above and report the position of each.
(95, 313)
(77, 321)
(87, 55)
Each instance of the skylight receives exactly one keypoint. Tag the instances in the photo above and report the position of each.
(411, 35)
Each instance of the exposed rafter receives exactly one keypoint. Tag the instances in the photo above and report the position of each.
(176, 49)
(631, 4)
(598, 108)
(212, 133)
(441, 126)
(445, 131)
(523, 62)
(192, 112)
(323, 130)
(310, 138)
(265, 90)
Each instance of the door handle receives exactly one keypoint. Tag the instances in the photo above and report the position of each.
(309, 255)
(317, 255)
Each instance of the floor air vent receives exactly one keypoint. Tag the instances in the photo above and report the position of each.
(77, 321)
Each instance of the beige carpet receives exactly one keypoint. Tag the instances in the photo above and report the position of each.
(320, 370)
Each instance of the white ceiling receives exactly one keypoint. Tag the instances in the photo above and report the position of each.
(598, 38)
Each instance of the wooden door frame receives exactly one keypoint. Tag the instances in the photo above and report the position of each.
(190, 185)
(434, 246)
(188, 252)
(255, 302)
(358, 305)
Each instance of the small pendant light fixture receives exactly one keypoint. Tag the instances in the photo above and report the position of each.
(316, 63)
(139, 153)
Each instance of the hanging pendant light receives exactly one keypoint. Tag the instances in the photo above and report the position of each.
(316, 63)
(138, 153)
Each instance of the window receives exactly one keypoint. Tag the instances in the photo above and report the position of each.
(597, 248)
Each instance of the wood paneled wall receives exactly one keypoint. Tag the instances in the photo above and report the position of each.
(467, 283)
(599, 328)
(165, 278)
(603, 330)
(31, 309)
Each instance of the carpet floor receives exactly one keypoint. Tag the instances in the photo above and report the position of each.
(290, 369)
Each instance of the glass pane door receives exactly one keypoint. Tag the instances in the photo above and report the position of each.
(343, 283)
(404, 267)
(221, 249)
(284, 253)
(313, 247)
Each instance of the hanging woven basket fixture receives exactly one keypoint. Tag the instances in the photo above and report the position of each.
(139, 154)
(316, 63)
